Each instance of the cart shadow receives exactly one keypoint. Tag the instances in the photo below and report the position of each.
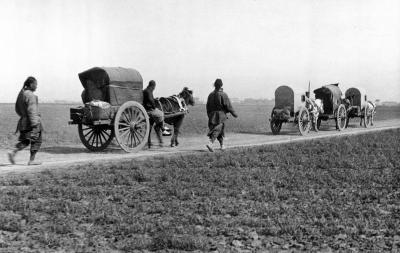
(76, 150)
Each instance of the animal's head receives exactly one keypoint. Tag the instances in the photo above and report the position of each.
(346, 102)
(187, 95)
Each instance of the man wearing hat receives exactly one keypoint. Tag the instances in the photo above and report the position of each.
(218, 105)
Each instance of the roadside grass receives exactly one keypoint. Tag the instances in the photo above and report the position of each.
(252, 119)
(339, 194)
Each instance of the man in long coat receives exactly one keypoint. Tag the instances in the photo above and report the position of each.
(29, 124)
(218, 105)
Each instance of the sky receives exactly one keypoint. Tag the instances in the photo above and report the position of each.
(252, 45)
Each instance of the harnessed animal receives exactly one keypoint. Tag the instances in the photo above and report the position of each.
(175, 108)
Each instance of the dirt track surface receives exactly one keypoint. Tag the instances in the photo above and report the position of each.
(62, 157)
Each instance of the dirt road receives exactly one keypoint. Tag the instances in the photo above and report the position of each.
(59, 157)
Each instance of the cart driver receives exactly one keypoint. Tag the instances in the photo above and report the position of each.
(156, 115)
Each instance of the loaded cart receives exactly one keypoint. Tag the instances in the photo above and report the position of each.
(357, 106)
(333, 107)
(285, 111)
(112, 100)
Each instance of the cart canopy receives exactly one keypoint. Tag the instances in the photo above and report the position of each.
(284, 98)
(114, 85)
(357, 96)
(331, 97)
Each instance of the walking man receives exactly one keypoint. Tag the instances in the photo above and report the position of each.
(29, 124)
(218, 105)
(156, 115)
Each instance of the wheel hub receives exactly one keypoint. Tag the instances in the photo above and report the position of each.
(132, 125)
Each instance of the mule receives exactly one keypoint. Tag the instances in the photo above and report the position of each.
(175, 108)
(371, 110)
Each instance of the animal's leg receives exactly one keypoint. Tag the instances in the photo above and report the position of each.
(173, 139)
(177, 127)
(176, 133)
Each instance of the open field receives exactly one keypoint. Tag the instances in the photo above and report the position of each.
(252, 119)
(341, 193)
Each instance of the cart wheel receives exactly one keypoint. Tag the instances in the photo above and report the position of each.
(304, 121)
(341, 118)
(275, 124)
(131, 126)
(95, 137)
(367, 118)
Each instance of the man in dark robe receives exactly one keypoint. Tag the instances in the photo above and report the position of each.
(218, 105)
(29, 124)
(155, 114)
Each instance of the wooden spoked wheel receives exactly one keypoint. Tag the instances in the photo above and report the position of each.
(95, 137)
(304, 121)
(131, 126)
(341, 118)
(275, 124)
(367, 118)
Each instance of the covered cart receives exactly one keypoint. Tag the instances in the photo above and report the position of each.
(112, 100)
(333, 108)
(285, 111)
(357, 104)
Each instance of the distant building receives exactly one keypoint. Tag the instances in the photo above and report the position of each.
(390, 103)
(235, 100)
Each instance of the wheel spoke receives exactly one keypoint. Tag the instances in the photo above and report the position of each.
(124, 127)
(133, 138)
(94, 137)
(101, 140)
(123, 124)
(90, 137)
(124, 133)
(104, 134)
(130, 140)
(125, 117)
(139, 133)
(97, 139)
(86, 134)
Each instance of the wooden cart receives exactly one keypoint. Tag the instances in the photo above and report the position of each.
(112, 100)
(357, 100)
(284, 111)
(331, 96)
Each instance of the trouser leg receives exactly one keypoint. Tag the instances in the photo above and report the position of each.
(21, 145)
(158, 129)
(221, 134)
(215, 131)
(36, 143)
